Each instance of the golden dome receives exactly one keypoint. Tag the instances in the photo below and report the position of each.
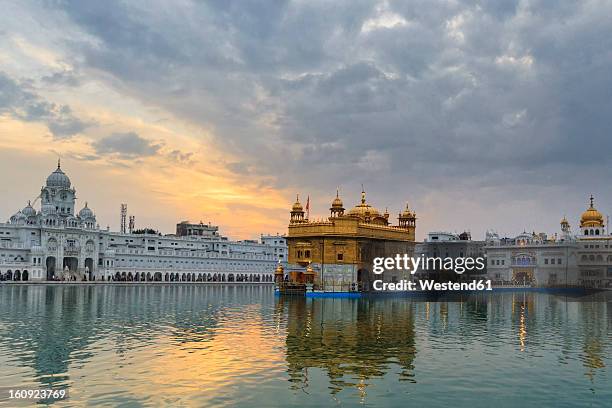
(297, 206)
(337, 203)
(407, 213)
(591, 217)
(364, 210)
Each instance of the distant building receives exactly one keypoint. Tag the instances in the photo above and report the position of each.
(56, 243)
(186, 229)
(584, 259)
(595, 250)
(449, 245)
(533, 258)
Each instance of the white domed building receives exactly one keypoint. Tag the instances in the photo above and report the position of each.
(57, 243)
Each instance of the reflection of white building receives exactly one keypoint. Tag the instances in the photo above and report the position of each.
(55, 244)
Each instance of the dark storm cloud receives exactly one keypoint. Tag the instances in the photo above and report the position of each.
(423, 94)
(126, 146)
(21, 101)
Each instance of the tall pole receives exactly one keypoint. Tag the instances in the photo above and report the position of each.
(322, 263)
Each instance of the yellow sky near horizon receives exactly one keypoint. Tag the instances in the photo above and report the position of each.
(159, 190)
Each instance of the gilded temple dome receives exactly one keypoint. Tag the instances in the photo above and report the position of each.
(591, 217)
(364, 210)
(297, 206)
(407, 213)
(337, 203)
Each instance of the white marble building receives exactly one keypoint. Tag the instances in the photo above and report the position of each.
(53, 243)
(584, 259)
(533, 259)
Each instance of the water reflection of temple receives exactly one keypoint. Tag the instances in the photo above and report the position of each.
(352, 341)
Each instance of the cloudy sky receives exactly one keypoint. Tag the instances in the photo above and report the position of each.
(480, 114)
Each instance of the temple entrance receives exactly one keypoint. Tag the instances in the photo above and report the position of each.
(89, 268)
(523, 276)
(50, 263)
(71, 264)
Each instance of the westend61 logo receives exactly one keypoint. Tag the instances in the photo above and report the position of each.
(423, 263)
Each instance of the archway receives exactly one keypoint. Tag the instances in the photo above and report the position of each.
(9, 275)
(50, 264)
(72, 263)
(89, 267)
(157, 276)
(25, 275)
(166, 277)
(17, 276)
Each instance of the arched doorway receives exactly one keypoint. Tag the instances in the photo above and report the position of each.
(17, 276)
(72, 263)
(50, 264)
(89, 268)
(25, 275)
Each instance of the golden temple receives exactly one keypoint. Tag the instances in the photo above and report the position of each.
(336, 254)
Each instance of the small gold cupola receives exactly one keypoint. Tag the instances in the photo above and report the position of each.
(337, 207)
(297, 211)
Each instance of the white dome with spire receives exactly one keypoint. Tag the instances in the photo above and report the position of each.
(86, 212)
(29, 211)
(58, 178)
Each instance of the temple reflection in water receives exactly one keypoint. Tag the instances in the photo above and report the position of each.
(236, 345)
(352, 341)
(355, 342)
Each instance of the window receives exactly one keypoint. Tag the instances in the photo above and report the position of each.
(559, 261)
(545, 261)
(307, 253)
(340, 257)
(552, 261)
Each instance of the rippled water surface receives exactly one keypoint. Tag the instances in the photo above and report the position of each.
(235, 345)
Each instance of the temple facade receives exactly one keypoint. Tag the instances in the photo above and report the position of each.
(336, 254)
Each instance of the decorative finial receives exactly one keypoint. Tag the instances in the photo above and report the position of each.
(297, 198)
(337, 192)
(59, 164)
(363, 195)
(591, 200)
(85, 204)
(29, 203)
